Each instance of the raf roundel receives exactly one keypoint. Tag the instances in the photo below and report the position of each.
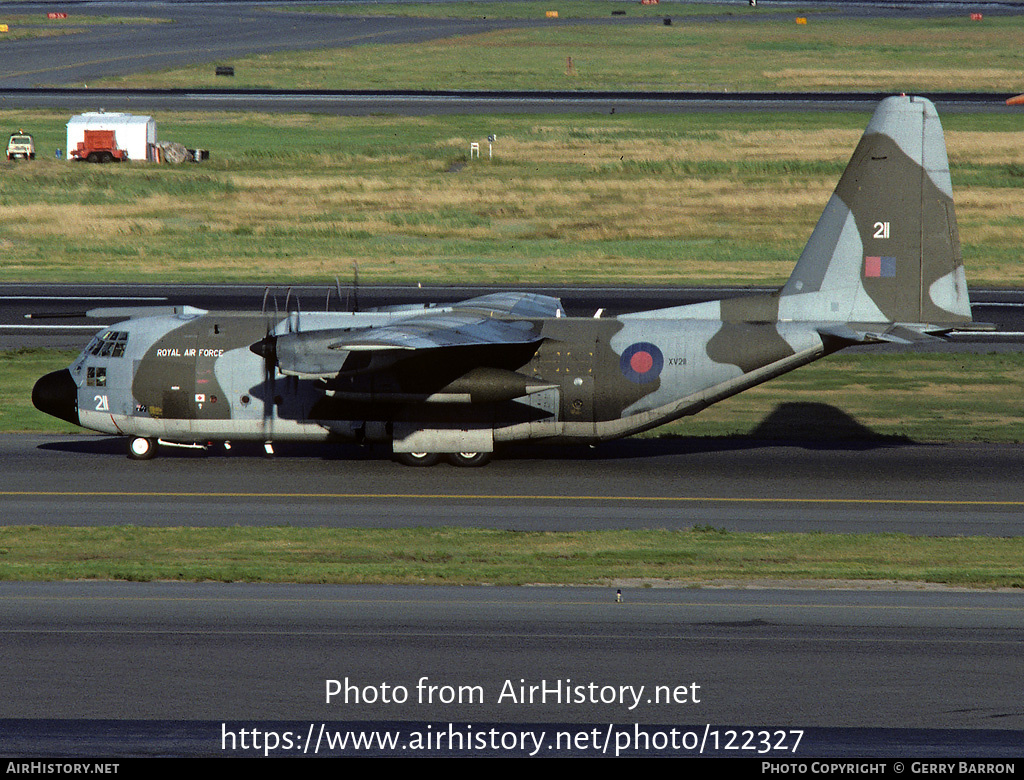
(641, 362)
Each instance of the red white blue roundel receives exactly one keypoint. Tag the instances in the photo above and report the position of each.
(641, 362)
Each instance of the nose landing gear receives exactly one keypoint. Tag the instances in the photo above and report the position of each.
(141, 448)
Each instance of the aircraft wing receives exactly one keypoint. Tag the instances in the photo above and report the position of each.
(451, 329)
(492, 325)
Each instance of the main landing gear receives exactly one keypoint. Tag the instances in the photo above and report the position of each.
(469, 459)
(466, 459)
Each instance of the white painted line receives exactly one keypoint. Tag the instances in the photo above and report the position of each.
(90, 327)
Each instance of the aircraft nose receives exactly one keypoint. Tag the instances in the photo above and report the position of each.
(57, 395)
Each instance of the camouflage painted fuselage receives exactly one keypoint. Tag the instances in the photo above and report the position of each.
(196, 378)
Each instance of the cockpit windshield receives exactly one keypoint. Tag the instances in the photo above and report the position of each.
(111, 343)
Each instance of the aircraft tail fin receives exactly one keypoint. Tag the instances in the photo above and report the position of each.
(886, 248)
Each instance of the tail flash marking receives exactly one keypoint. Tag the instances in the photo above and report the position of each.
(879, 267)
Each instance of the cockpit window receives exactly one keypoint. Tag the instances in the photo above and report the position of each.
(109, 344)
(96, 376)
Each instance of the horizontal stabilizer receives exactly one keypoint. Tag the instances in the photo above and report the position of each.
(897, 333)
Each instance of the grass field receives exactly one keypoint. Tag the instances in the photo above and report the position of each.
(21, 26)
(19, 370)
(689, 199)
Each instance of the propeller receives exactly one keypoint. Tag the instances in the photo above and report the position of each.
(266, 348)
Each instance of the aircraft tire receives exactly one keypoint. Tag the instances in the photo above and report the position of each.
(469, 459)
(418, 458)
(141, 448)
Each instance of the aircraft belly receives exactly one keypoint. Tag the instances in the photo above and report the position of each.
(104, 422)
(210, 430)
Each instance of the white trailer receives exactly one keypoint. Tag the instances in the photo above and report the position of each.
(135, 134)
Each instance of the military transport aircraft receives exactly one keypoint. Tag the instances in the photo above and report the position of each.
(452, 381)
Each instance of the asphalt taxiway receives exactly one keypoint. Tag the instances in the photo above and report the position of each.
(740, 484)
(56, 71)
(163, 35)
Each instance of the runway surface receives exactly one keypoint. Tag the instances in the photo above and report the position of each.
(737, 484)
(858, 674)
(187, 33)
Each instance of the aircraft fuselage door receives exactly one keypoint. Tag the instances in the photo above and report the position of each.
(179, 379)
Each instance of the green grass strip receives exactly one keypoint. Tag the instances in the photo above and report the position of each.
(447, 556)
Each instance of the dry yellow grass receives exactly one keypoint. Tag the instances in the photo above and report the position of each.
(626, 208)
(883, 80)
(985, 148)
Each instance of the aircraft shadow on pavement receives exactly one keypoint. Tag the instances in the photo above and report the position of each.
(792, 424)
